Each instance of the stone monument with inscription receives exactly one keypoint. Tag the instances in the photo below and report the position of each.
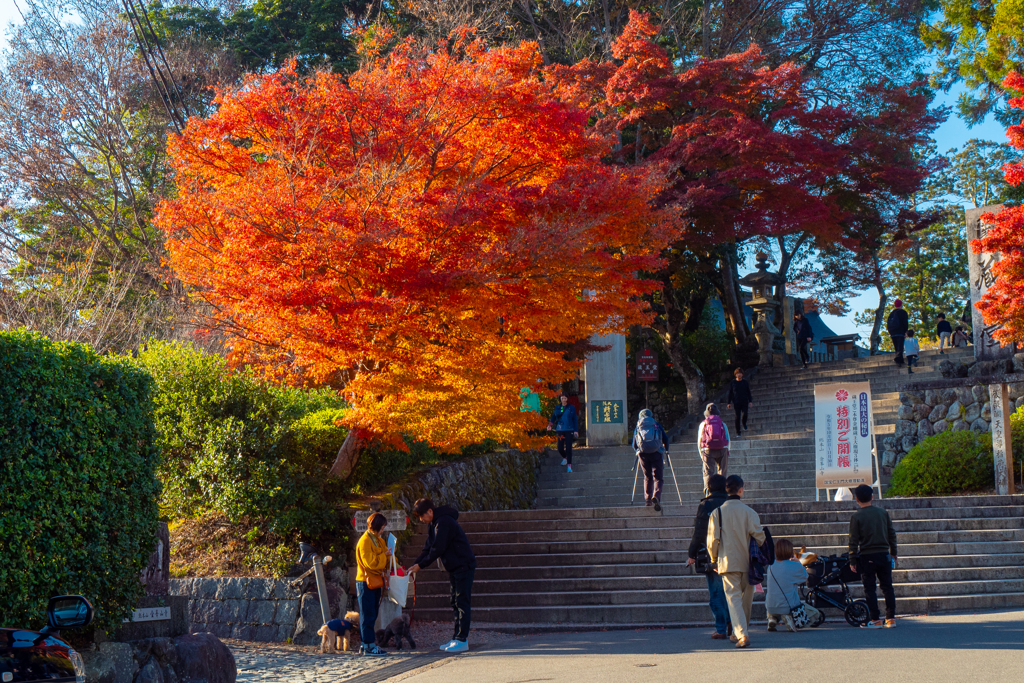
(605, 377)
(981, 276)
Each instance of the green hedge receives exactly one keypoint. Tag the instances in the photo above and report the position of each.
(944, 464)
(77, 479)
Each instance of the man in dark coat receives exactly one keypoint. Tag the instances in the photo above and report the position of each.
(740, 399)
(447, 541)
(897, 325)
(698, 548)
(804, 335)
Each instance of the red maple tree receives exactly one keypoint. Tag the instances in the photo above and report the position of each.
(430, 232)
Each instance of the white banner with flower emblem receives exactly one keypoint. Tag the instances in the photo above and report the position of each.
(843, 435)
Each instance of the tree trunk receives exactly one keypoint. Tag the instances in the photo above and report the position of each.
(696, 387)
(732, 301)
(876, 329)
(785, 260)
(348, 456)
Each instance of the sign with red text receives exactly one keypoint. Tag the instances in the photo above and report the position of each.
(843, 431)
(647, 366)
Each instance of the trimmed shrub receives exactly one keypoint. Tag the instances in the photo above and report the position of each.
(77, 479)
(237, 445)
(944, 464)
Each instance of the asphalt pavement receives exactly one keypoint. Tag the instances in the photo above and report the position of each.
(986, 647)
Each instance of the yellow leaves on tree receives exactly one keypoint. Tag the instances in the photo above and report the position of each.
(432, 231)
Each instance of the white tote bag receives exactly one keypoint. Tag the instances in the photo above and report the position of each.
(398, 589)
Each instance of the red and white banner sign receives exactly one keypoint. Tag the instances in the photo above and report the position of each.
(843, 431)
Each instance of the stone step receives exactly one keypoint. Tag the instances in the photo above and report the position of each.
(680, 527)
(679, 614)
(680, 571)
(654, 594)
(527, 584)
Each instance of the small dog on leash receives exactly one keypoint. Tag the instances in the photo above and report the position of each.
(336, 633)
(397, 629)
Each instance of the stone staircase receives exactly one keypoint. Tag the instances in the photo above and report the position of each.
(626, 567)
(775, 457)
(587, 557)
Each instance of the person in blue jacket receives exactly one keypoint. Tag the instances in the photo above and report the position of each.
(565, 423)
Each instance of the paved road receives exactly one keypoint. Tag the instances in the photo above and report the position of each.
(986, 647)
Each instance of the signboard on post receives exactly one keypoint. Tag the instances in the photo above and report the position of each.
(843, 435)
(981, 276)
(398, 520)
(647, 366)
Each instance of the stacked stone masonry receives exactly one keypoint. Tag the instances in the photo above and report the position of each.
(960, 408)
(258, 609)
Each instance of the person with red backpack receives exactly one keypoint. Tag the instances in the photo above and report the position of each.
(713, 444)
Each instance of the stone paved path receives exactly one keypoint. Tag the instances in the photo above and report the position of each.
(282, 663)
(274, 663)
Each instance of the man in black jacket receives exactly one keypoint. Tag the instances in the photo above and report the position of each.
(804, 335)
(740, 399)
(447, 541)
(698, 549)
(897, 325)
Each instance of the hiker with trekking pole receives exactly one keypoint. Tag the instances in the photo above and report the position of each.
(651, 447)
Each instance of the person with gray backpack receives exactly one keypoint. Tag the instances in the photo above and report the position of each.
(651, 445)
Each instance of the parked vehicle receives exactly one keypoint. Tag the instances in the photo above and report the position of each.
(31, 656)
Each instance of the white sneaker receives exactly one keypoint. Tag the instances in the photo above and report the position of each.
(444, 648)
(457, 646)
(563, 462)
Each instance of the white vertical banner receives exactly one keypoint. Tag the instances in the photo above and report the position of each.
(843, 431)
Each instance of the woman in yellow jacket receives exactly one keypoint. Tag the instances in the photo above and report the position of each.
(372, 556)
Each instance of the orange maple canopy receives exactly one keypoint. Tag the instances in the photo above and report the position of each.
(423, 229)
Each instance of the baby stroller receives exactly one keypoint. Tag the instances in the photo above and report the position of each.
(834, 572)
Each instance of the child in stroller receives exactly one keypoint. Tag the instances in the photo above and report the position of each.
(834, 572)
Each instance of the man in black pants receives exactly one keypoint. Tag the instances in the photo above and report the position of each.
(873, 553)
(740, 399)
(897, 325)
(804, 335)
(446, 540)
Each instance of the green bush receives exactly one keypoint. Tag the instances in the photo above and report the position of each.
(1017, 437)
(241, 446)
(77, 479)
(947, 463)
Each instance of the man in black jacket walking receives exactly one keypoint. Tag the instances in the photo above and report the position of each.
(699, 551)
(897, 325)
(804, 335)
(740, 399)
(447, 541)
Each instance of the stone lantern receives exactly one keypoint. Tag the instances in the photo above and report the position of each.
(763, 284)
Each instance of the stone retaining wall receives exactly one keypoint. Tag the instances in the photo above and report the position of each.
(926, 412)
(506, 480)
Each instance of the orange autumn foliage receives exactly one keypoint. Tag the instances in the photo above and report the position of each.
(1003, 304)
(424, 230)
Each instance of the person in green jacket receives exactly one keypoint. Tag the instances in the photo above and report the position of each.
(873, 553)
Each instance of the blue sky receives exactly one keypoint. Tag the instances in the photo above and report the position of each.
(953, 133)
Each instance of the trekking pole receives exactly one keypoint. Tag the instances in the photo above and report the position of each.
(636, 477)
(674, 480)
